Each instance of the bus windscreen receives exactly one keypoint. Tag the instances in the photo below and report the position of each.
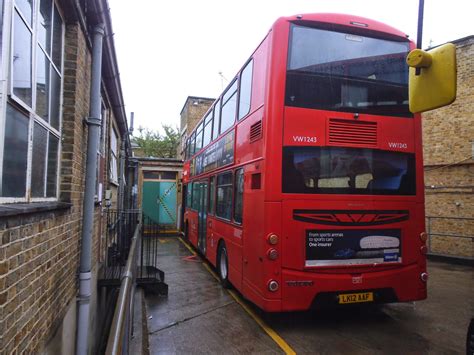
(336, 170)
(345, 72)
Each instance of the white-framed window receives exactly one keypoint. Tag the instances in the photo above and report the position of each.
(113, 156)
(99, 187)
(30, 115)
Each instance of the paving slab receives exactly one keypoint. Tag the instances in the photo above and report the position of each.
(200, 317)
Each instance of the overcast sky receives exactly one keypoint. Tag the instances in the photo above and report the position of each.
(169, 50)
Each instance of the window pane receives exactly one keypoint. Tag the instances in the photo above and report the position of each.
(229, 93)
(188, 147)
(245, 90)
(334, 170)
(224, 196)
(199, 138)
(196, 196)
(189, 195)
(55, 98)
(212, 195)
(192, 148)
(52, 175)
(42, 84)
(228, 113)
(151, 175)
(15, 154)
(239, 194)
(113, 168)
(57, 39)
(25, 7)
(217, 118)
(38, 165)
(22, 61)
(44, 25)
(207, 134)
(168, 175)
(113, 142)
(339, 71)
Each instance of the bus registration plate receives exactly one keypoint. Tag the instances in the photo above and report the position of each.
(356, 297)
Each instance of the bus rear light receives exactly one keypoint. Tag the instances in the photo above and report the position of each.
(424, 276)
(272, 254)
(424, 250)
(273, 285)
(272, 239)
(423, 236)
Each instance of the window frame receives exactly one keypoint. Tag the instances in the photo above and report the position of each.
(8, 97)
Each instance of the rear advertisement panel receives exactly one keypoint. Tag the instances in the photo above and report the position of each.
(352, 247)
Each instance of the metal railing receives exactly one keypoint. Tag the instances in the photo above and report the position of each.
(121, 329)
(121, 226)
(450, 227)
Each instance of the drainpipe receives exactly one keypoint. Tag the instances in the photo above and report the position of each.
(82, 339)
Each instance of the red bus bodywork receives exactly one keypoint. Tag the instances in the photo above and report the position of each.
(267, 210)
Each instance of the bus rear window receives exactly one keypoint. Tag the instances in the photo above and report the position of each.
(336, 170)
(338, 71)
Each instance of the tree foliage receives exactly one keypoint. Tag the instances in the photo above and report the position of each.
(153, 144)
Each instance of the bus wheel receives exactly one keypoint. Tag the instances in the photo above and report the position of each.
(470, 338)
(223, 265)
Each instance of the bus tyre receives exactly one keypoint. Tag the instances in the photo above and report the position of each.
(223, 265)
(470, 338)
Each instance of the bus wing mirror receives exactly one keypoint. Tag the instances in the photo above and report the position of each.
(435, 86)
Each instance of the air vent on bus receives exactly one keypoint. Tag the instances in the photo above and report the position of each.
(361, 133)
(256, 131)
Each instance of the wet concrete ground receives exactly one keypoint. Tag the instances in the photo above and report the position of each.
(200, 317)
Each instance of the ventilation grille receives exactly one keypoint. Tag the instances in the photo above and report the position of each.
(352, 132)
(256, 131)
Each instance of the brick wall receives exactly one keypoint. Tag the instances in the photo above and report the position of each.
(448, 136)
(39, 251)
(39, 256)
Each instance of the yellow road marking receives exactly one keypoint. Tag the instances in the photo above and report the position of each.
(187, 246)
(271, 333)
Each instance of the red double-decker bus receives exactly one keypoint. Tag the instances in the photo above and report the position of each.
(304, 181)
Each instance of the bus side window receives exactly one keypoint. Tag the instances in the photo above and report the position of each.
(212, 195)
(245, 93)
(224, 196)
(186, 149)
(195, 197)
(207, 129)
(239, 195)
(217, 119)
(189, 194)
(229, 106)
(199, 136)
(192, 147)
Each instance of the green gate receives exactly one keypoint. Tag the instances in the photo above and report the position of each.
(159, 197)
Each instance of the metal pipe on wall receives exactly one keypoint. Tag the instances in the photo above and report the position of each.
(94, 124)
